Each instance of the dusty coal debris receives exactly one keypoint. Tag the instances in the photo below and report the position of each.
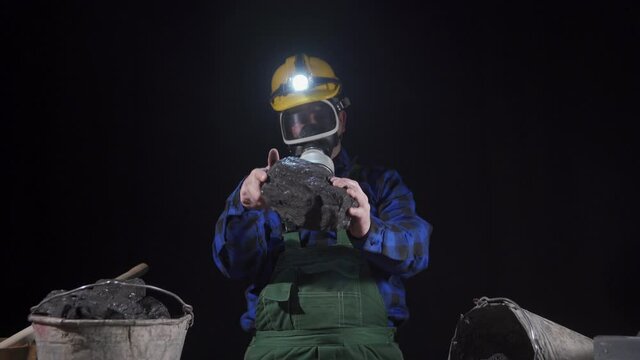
(301, 193)
(109, 301)
(498, 356)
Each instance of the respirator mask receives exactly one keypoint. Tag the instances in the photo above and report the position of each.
(311, 130)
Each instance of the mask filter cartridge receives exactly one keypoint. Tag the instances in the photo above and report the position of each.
(318, 156)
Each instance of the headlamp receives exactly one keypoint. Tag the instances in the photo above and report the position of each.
(299, 82)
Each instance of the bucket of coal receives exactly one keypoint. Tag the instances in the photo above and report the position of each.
(109, 320)
(499, 329)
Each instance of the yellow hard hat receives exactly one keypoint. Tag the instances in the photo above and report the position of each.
(302, 79)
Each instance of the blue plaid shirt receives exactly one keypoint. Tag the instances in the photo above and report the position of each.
(247, 242)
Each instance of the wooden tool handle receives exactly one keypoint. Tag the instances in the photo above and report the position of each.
(27, 333)
(134, 272)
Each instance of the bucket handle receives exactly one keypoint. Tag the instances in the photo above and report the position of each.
(187, 309)
(484, 301)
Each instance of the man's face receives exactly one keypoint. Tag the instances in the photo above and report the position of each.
(299, 124)
(308, 120)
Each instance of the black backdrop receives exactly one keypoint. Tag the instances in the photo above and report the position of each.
(128, 123)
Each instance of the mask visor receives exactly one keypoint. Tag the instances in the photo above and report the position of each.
(308, 122)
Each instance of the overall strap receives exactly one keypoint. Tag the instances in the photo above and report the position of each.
(343, 238)
(292, 239)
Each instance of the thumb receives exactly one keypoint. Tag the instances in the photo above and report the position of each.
(274, 156)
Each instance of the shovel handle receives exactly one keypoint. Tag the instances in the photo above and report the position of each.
(134, 272)
(27, 333)
(17, 338)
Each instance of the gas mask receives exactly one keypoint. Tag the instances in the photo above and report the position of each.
(311, 130)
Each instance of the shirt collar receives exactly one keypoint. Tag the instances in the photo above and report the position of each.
(342, 163)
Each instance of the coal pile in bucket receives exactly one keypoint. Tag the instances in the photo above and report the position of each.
(110, 301)
(491, 333)
(499, 329)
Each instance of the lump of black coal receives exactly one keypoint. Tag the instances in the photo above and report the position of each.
(108, 301)
(301, 193)
(154, 308)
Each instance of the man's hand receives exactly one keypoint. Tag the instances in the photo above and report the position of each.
(360, 216)
(250, 194)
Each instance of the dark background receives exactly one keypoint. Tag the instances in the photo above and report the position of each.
(127, 124)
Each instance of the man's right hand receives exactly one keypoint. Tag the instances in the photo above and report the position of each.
(250, 193)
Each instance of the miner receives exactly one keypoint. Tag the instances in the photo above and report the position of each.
(336, 294)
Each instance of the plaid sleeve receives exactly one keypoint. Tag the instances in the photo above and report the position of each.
(398, 240)
(243, 238)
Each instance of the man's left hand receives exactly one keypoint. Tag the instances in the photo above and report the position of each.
(360, 216)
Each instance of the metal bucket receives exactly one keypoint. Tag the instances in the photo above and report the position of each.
(70, 339)
(497, 328)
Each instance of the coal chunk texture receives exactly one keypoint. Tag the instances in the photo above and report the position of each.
(301, 193)
(111, 301)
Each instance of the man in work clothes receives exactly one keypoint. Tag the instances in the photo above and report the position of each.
(315, 294)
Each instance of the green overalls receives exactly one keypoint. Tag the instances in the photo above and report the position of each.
(321, 303)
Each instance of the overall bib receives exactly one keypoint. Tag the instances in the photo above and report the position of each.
(321, 304)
